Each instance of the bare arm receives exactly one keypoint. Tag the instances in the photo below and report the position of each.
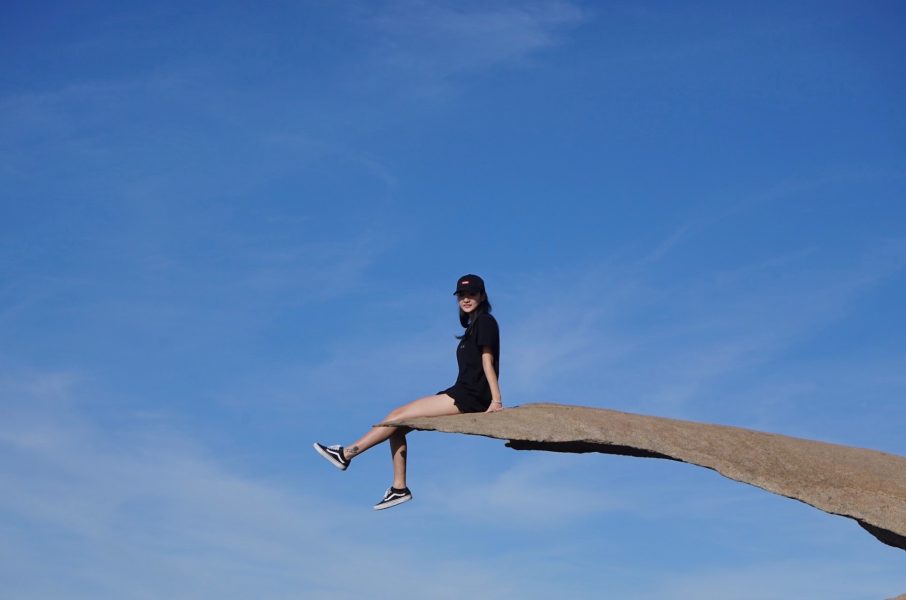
(487, 363)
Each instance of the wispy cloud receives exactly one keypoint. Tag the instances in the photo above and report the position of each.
(613, 334)
(778, 581)
(127, 140)
(146, 513)
(548, 485)
(429, 43)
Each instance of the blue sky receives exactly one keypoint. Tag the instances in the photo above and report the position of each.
(227, 231)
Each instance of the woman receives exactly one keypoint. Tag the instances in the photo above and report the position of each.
(476, 390)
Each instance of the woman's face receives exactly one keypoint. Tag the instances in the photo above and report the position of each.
(469, 302)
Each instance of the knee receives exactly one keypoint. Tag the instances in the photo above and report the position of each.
(396, 414)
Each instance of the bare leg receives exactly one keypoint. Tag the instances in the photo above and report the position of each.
(398, 450)
(429, 406)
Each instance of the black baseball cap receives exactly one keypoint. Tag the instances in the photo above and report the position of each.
(471, 284)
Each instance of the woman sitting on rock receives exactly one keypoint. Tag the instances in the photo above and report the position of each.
(476, 390)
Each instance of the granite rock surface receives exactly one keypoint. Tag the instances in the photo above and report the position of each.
(865, 485)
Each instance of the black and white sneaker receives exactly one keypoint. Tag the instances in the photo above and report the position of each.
(392, 497)
(333, 454)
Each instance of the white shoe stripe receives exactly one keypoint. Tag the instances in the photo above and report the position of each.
(332, 456)
(392, 500)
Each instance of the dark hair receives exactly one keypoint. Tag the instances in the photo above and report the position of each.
(465, 321)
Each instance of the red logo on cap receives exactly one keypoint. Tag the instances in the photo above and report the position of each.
(465, 282)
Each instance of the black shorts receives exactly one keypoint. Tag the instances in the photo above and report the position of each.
(465, 400)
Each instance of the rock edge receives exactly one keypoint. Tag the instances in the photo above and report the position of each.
(865, 485)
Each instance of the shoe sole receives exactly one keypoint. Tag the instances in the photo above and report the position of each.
(392, 503)
(329, 457)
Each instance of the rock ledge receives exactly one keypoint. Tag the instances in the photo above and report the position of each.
(865, 485)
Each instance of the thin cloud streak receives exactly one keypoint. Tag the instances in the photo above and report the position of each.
(515, 497)
(686, 335)
(778, 581)
(429, 44)
(148, 514)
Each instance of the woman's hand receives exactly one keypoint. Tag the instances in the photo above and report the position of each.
(495, 406)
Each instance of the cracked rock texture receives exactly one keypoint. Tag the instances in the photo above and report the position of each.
(865, 485)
